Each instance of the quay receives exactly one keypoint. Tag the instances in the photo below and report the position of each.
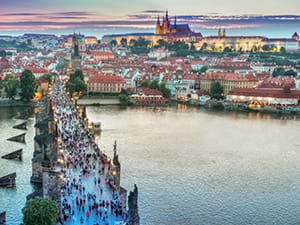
(73, 171)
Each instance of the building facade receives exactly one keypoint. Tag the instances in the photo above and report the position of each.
(106, 84)
(228, 81)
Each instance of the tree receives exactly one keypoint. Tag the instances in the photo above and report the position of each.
(113, 43)
(203, 69)
(123, 99)
(266, 48)
(204, 47)
(132, 42)
(161, 43)
(154, 85)
(278, 72)
(291, 72)
(282, 50)
(11, 88)
(216, 90)
(166, 92)
(40, 211)
(28, 85)
(47, 77)
(227, 49)
(145, 83)
(124, 42)
(76, 83)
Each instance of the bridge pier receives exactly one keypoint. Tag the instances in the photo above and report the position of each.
(3, 218)
(14, 155)
(19, 138)
(8, 180)
(21, 126)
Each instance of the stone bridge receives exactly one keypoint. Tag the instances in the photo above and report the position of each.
(83, 181)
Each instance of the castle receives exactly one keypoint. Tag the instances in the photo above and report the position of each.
(171, 32)
(169, 29)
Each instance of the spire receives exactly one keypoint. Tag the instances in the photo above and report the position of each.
(115, 148)
(167, 15)
(158, 20)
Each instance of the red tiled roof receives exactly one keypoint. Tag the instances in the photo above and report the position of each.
(263, 92)
(149, 91)
(106, 79)
(229, 76)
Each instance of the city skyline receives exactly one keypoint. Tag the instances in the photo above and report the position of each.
(32, 15)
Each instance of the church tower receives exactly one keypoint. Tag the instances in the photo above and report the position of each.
(166, 24)
(158, 27)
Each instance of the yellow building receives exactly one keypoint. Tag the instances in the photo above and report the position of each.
(229, 81)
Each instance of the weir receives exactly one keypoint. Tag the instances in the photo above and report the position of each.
(65, 152)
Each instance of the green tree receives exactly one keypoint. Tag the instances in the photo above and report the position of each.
(203, 69)
(132, 42)
(227, 49)
(216, 90)
(166, 92)
(113, 43)
(124, 100)
(76, 83)
(124, 42)
(28, 85)
(204, 47)
(11, 88)
(278, 72)
(161, 43)
(154, 85)
(289, 73)
(40, 211)
(124, 92)
(47, 77)
(145, 83)
(282, 50)
(266, 48)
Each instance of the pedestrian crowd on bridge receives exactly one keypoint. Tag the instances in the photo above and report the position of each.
(89, 193)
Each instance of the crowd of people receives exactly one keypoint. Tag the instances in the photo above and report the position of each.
(89, 194)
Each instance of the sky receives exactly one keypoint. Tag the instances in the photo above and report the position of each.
(103, 16)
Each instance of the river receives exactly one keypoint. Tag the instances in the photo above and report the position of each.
(192, 166)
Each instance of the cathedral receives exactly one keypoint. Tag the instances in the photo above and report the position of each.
(169, 29)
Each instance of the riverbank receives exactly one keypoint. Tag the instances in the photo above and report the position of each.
(242, 107)
(98, 101)
(231, 106)
(15, 103)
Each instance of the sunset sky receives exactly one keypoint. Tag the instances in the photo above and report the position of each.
(59, 15)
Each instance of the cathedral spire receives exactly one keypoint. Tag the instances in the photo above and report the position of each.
(158, 20)
(167, 15)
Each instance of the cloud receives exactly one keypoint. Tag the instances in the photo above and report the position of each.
(153, 11)
(82, 19)
(66, 14)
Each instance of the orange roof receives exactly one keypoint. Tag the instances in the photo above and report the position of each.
(106, 79)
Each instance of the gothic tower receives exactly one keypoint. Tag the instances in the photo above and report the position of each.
(166, 24)
(158, 26)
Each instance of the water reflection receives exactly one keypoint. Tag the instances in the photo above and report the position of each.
(195, 166)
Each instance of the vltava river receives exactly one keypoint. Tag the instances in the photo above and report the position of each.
(192, 167)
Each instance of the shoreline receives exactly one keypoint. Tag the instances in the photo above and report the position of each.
(15, 103)
(210, 105)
